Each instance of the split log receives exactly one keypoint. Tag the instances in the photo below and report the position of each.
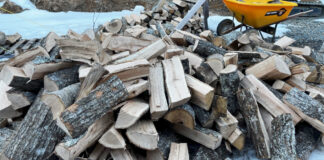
(257, 40)
(50, 41)
(266, 98)
(3, 123)
(15, 77)
(158, 102)
(296, 82)
(21, 59)
(99, 152)
(14, 49)
(206, 137)
(306, 140)
(136, 87)
(5, 135)
(114, 26)
(202, 93)
(216, 64)
(5, 102)
(306, 107)
(207, 118)
(91, 80)
(176, 86)
(316, 76)
(40, 138)
(283, 142)
(149, 52)
(194, 60)
(173, 51)
(113, 139)
(60, 79)
(237, 139)
(130, 113)
(267, 119)
(110, 93)
(40, 66)
(20, 98)
(71, 148)
(281, 86)
(299, 68)
(230, 81)
(9, 112)
(206, 74)
(179, 151)
(254, 122)
(284, 42)
(29, 44)
(121, 154)
(61, 99)
(221, 106)
(272, 68)
(123, 43)
(306, 51)
(11, 39)
(230, 58)
(184, 115)
(120, 55)
(205, 49)
(154, 155)
(143, 135)
(226, 125)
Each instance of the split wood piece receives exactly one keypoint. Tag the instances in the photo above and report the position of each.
(120, 55)
(89, 34)
(135, 31)
(34, 137)
(184, 115)
(60, 79)
(266, 98)
(130, 113)
(257, 40)
(5, 102)
(179, 151)
(130, 70)
(226, 125)
(41, 66)
(80, 51)
(21, 59)
(281, 86)
(20, 98)
(9, 112)
(178, 38)
(180, 3)
(267, 119)
(255, 125)
(114, 26)
(284, 42)
(230, 58)
(121, 154)
(237, 139)
(316, 76)
(71, 148)
(61, 99)
(194, 60)
(11, 39)
(154, 155)
(15, 77)
(296, 82)
(73, 35)
(99, 153)
(230, 82)
(314, 90)
(272, 68)
(283, 142)
(50, 41)
(158, 102)
(5, 134)
(175, 81)
(306, 107)
(206, 74)
(91, 80)
(29, 44)
(220, 105)
(206, 49)
(299, 68)
(306, 51)
(173, 51)
(207, 34)
(143, 135)
(206, 137)
(202, 93)
(207, 118)
(14, 48)
(136, 87)
(229, 40)
(99, 101)
(217, 65)
(152, 51)
(113, 139)
(3, 122)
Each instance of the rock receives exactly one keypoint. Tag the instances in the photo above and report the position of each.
(12, 7)
(90, 5)
(2, 38)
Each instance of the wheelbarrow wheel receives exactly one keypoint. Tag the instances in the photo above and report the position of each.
(224, 26)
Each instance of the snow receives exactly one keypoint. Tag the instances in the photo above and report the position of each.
(36, 23)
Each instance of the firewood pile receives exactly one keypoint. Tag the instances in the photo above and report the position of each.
(133, 89)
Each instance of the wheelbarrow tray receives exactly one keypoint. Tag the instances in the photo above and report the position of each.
(259, 13)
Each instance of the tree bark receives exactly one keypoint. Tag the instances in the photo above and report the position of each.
(5, 135)
(37, 136)
(283, 142)
(205, 49)
(92, 107)
(60, 79)
(183, 114)
(20, 98)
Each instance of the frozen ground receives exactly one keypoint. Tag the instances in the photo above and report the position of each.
(34, 23)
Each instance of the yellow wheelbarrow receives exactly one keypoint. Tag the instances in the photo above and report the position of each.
(258, 14)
